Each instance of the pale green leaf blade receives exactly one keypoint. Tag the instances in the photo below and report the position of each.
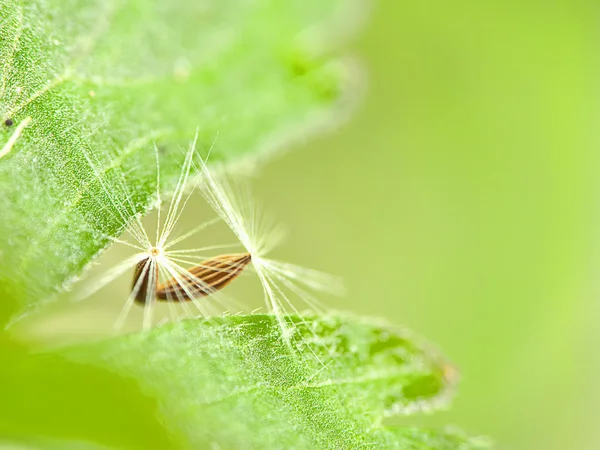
(88, 88)
(232, 381)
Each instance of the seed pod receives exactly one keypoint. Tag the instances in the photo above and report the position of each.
(140, 286)
(204, 279)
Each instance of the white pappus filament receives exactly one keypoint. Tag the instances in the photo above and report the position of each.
(161, 271)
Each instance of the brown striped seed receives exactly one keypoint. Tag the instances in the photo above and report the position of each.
(204, 279)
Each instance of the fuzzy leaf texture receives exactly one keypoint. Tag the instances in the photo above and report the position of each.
(233, 383)
(87, 89)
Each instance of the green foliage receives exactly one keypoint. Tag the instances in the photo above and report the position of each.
(87, 90)
(104, 81)
(233, 381)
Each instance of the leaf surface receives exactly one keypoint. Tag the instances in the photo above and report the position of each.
(233, 382)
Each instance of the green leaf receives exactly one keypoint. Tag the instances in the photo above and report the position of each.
(233, 382)
(88, 88)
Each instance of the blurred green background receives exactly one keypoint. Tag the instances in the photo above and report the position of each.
(461, 201)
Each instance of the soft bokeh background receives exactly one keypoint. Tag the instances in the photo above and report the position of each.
(461, 201)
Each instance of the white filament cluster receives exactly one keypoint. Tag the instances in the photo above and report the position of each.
(283, 284)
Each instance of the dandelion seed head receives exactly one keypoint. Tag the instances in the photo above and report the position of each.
(287, 289)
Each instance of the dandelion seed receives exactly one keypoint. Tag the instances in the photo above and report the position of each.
(204, 279)
(160, 273)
